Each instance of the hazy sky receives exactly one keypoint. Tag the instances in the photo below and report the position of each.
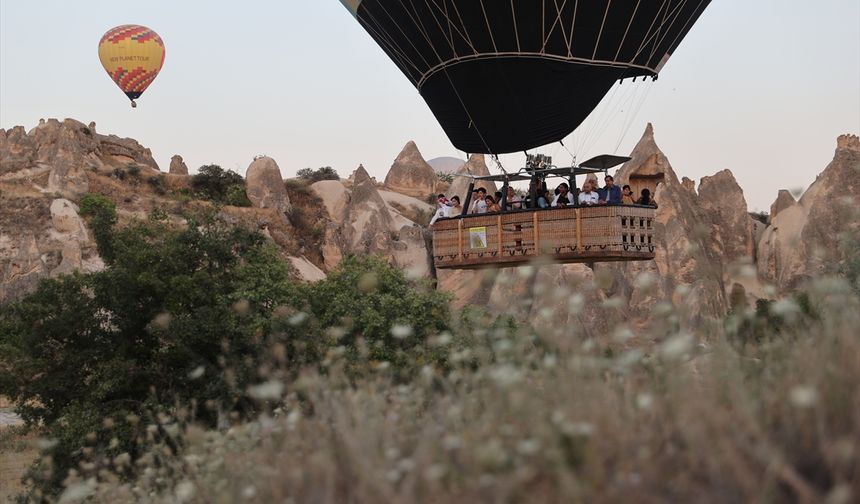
(762, 87)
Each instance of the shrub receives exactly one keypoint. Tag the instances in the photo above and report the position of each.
(368, 301)
(324, 173)
(216, 184)
(100, 213)
(236, 196)
(173, 322)
(157, 182)
(132, 169)
(445, 177)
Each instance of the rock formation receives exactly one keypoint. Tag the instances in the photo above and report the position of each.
(362, 221)
(783, 200)
(732, 236)
(368, 225)
(802, 241)
(265, 186)
(476, 166)
(335, 196)
(178, 166)
(410, 174)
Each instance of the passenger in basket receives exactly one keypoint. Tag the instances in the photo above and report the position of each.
(611, 194)
(563, 197)
(646, 200)
(492, 206)
(544, 199)
(627, 196)
(456, 208)
(588, 196)
(514, 201)
(443, 211)
(480, 204)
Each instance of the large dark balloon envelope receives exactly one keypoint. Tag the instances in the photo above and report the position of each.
(507, 76)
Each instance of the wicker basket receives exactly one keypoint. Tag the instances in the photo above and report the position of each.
(587, 234)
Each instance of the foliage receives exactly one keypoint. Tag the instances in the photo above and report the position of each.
(222, 186)
(132, 169)
(173, 321)
(100, 213)
(158, 184)
(377, 314)
(763, 217)
(445, 177)
(687, 420)
(324, 173)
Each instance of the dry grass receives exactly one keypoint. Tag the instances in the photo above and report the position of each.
(17, 451)
(692, 419)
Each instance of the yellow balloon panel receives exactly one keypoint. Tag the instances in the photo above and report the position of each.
(132, 55)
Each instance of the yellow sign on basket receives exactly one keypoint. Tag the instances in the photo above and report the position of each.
(478, 237)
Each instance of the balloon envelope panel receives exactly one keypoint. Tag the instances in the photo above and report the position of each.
(508, 76)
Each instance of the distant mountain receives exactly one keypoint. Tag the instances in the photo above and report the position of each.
(446, 164)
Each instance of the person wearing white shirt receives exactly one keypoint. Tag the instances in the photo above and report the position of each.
(480, 204)
(514, 201)
(564, 197)
(443, 211)
(588, 196)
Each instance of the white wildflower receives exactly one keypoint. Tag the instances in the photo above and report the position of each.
(677, 346)
(576, 303)
(185, 491)
(197, 372)
(298, 319)
(401, 331)
(803, 396)
(269, 391)
(78, 492)
(645, 401)
(506, 375)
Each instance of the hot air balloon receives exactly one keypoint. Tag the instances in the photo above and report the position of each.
(508, 76)
(132, 55)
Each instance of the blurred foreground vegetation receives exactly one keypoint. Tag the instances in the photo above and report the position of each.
(195, 370)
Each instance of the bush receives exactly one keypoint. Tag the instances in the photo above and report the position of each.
(445, 177)
(173, 322)
(370, 303)
(158, 184)
(100, 213)
(214, 183)
(324, 173)
(132, 169)
(236, 196)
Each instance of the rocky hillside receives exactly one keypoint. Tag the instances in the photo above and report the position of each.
(708, 245)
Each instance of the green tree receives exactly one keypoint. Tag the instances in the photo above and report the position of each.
(100, 213)
(369, 299)
(222, 186)
(174, 321)
(324, 173)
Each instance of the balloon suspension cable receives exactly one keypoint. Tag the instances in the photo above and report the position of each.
(572, 155)
(495, 159)
(133, 104)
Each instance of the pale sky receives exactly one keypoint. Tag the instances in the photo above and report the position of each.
(762, 87)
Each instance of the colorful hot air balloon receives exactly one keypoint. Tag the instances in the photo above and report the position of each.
(132, 55)
(509, 76)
